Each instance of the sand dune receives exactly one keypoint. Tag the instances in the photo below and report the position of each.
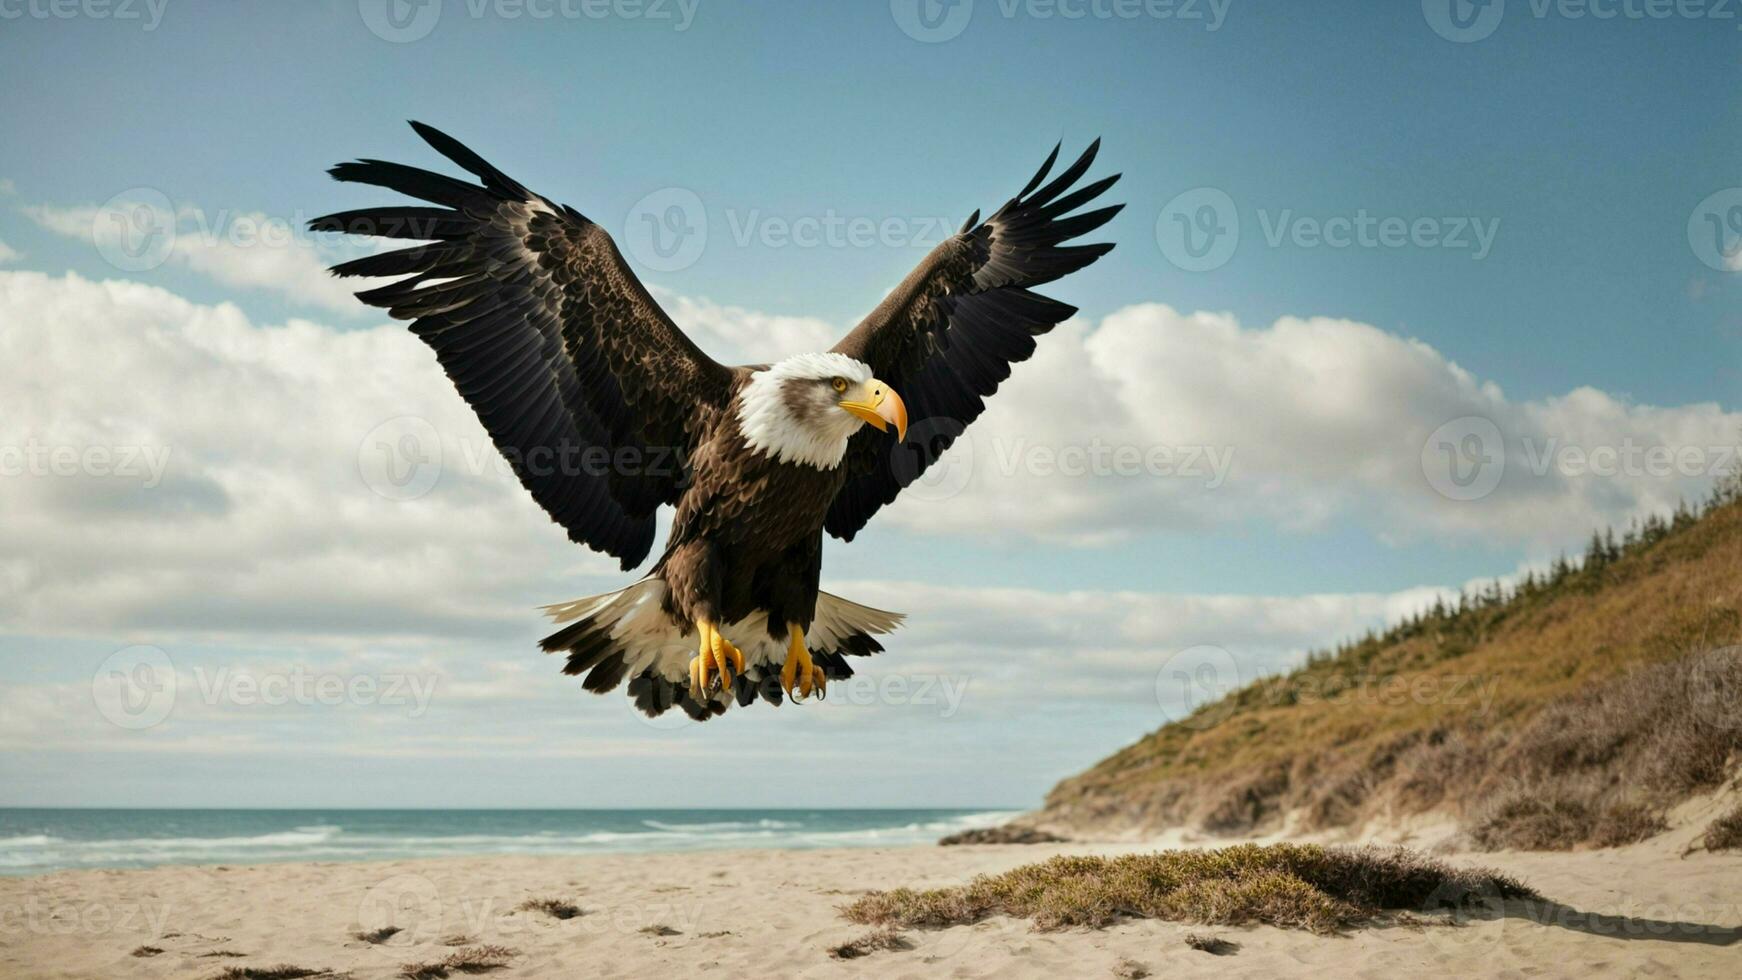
(1638, 910)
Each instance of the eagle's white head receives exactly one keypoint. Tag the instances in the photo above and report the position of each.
(805, 408)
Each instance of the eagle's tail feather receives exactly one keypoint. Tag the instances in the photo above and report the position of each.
(626, 633)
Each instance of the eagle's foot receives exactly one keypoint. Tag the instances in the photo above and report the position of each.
(716, 662)
(800, 670)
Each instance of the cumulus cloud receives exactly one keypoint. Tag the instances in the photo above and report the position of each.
(970, 658)
(139, 231)
(1157, 419)
(271, 502)
(181, 476)
(733, 335)
(8, 253)
(173, 465)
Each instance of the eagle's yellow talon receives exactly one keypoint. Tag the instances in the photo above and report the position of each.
(799, 670)
(728, 660)
(698, 689)
(715, 657)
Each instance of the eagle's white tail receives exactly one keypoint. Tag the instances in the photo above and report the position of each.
(627, 634)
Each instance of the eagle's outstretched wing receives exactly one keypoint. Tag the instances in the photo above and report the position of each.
(946, 337)
(582, 381)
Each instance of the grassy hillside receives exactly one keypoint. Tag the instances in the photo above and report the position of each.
(1572, 709)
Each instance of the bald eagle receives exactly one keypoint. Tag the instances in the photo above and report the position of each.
(606, 411)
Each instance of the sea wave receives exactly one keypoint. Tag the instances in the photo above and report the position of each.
(35, 852)
(684, 828)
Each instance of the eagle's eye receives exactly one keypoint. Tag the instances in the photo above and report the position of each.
(839, 384)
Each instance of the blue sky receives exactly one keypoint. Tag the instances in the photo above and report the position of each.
(1585, 145)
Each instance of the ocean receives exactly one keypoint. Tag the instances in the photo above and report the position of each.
(33, 841)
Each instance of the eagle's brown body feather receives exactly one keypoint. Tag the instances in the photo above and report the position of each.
(731, 554)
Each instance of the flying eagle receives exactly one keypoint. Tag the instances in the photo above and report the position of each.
(606, 411)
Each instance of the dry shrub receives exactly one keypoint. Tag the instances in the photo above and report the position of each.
(1007, 834)
(376, 937)
(1214, 945)
(1725, 833)
(1669, 728)
(143, 951)
(871, 942)
(1297, 886)
(1249, 803)
(1444, 760)
(284, 971)
(556, 908)
(1598, 769)
(1569, 816)
(472, 959)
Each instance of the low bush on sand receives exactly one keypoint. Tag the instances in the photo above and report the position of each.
(1295, 886)
(874, 941)
(472, 959)
(556, 908)
(1725, 833)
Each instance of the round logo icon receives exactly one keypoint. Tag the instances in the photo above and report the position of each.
(410, 904)
(134, 231)
(1193, 678)
(400, 21)
(1463, 21)
(1199, 229)
(669, 720)
(667, 230)
(932, 21)
(1465, 458)
(134, 687)
(1465, 920)
(946, 471)
(401, 459)
(1715, 230)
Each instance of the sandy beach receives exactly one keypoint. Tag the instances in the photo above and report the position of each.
(1643, 910)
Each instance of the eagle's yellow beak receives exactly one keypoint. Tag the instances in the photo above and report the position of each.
(879, 405)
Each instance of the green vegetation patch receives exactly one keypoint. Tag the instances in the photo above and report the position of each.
(1293, 886)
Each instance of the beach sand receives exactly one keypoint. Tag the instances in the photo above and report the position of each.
(1642, 910)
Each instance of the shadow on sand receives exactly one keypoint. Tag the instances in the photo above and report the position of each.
(1609, 925)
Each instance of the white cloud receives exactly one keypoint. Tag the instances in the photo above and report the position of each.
(732, 335)
(8, 253)
(251, 250)
(249, 532)
(170, 464)
(1301, 422)
(246, 542)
